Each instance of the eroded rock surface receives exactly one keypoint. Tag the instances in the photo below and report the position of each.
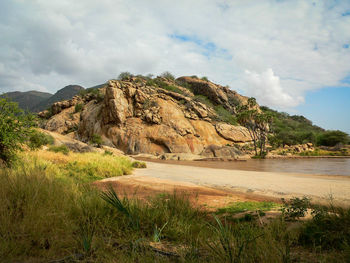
(139, 116)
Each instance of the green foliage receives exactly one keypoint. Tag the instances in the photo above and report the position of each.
(203, 99)
(161, 84)
(291, 129)
(96, 139)
(108, 153)
(15, 128)
(204, 78)
(137, 164)
(125, 75)
(296, 207)
(38, 139)
(78, 107)
(238, 207)
(59, 149)
(225, 116)
(95, 92)
(257, 123)
(47, 214)
(167, 75)
(332, 138)
(329, 229)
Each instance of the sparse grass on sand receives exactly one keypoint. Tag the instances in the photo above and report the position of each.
(49, 212)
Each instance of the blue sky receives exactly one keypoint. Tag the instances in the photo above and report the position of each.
(291, 55)
(328, 108)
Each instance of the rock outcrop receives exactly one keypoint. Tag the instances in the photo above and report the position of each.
(155, 116)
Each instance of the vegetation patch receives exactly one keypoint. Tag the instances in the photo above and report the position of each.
(239, 207)
(225, 116)
(59, 149)
(38, 139)
(161, 84)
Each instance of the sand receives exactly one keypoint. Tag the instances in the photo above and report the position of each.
(237, 184)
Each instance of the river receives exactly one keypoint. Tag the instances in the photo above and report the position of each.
(320, 166)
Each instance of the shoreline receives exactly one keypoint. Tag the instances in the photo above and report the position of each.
(254, 165)
(227, 186)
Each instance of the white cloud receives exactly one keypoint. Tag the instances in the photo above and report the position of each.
(267, 87)
(50, 44)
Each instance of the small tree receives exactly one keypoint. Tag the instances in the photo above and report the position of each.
(167, 75)
(15, 129)
(257, 124)
(124, 75)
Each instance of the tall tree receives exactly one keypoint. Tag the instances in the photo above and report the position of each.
(256, 122)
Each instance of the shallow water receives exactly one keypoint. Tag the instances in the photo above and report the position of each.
(322, 166)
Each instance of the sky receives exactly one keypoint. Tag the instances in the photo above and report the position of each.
(293, 56)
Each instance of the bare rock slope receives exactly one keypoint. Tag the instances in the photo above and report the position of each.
(155, 116)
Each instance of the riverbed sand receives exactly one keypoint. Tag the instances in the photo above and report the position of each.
(239, 184)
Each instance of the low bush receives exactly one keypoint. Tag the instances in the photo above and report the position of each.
(96, 139)
(38, 139)
(203, 99)
(329, 229)
(138, 164)
(78, 107)
(161, 84)
(95, 92)
(296, 207)
(225, 116)
(204, 78)
(59, 149)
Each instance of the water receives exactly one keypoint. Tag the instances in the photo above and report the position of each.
(320, 166)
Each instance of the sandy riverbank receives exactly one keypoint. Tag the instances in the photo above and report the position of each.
(238, 184)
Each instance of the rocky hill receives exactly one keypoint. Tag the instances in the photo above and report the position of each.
(155, 116)
(65, 93)
(37, 101)
(27, 100)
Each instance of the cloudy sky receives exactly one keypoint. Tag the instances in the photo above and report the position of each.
(291, 55)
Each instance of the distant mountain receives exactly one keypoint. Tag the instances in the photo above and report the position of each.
(27, 100)
(36, 101)
(63, 94)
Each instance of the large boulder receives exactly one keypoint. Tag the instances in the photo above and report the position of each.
(233, 133)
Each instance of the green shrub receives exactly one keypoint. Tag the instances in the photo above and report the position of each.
(125, 75)
(107, 152)
(332, 138)
(167, 75)
(161, 84)
(296, 207)
(96, 139)
(62, 149)
(78, 107)
(138, 164)
(329, 229)
(38, 139)
(204, 78)
(15, 128)
(203, 99)
(224, 115)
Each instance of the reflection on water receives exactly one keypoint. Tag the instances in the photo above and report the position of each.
(326, 166)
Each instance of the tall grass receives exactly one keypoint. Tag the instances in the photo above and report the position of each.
(46, 214)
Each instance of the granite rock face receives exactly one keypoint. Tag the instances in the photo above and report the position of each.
(155, 117)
